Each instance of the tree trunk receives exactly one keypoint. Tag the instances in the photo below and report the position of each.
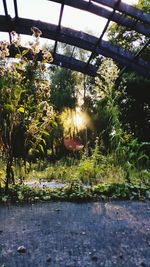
(9, 173)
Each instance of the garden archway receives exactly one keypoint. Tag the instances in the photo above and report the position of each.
(114, 11)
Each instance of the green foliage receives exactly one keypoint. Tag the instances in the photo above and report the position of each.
(25, 113)
(75, 192)
(107, 105)
(63, 93)
(130, 39)
(117, 167)
(89, 170)
(98, 177)
(134, 105)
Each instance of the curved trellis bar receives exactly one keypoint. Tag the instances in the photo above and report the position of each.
(130, 23)
(59, 60)
(121, 13)
(79, 39)
(126, 9)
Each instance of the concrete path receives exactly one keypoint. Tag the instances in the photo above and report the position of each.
(75, 235)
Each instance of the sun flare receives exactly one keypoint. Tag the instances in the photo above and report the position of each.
(74, 121)
(79, 121)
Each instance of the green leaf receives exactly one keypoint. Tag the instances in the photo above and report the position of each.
(33, 152)
(18, 56)
(44, 142)
(41, 149)
(24, 52)
(54, 123)
(21, 109)
(41, 140)
(9, 107)
(45, 132)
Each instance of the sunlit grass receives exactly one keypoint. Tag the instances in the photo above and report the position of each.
(84, 171)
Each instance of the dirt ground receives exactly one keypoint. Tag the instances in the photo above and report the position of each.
(63, 234)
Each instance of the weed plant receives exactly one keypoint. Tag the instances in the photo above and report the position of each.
(97, 168)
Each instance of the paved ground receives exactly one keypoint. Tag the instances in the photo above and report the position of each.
(76, 235)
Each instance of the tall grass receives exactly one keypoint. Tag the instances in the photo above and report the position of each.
(95, 169)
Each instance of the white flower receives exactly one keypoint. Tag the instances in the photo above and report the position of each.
(113, 133)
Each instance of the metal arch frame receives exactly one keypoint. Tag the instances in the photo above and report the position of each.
(86, 41)
(59, 60)
(131, 23)
(76, 38)
(126, 9)
(58, 29)
(104, 30)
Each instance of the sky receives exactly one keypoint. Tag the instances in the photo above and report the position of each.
(48, 11)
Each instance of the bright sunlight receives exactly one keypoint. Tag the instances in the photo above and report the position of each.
(74, 121)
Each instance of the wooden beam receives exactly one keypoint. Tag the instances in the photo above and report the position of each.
(135, 56)
(74, 64)
(126, 9)
(104, 30)
(130, 23)
(76, 38)
(59, 24)
(59, 60)
(5, 7)
(16, 8)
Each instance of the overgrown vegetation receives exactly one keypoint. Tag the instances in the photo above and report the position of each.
(25, 115)
(75, 192)
(90, 135)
